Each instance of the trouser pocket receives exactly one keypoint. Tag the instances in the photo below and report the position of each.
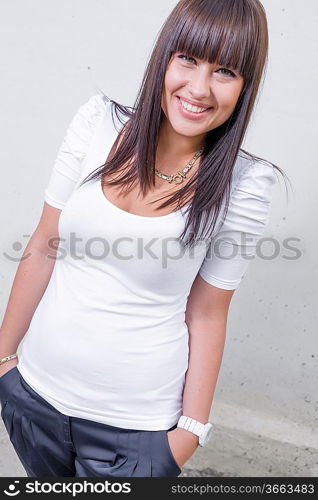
(173, 461)
(8, 382)
(12, 399)
(163, 462)
(169, 451)
(7, 417)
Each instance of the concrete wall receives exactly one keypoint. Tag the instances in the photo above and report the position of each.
(54, 56)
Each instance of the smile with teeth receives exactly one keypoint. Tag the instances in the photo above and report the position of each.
(190, 107)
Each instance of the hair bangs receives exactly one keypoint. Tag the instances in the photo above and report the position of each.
(219, 34)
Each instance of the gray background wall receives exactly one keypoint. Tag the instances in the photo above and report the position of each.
(54, 56)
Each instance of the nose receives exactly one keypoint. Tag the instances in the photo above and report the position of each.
(200, 85)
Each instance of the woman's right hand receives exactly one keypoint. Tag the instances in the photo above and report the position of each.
(5, 367)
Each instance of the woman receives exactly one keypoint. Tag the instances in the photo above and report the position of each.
(123, 319)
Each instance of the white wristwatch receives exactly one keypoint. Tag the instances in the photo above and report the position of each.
(204, 431)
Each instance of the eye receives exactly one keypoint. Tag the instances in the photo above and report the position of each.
(187, 58)
(229, 72)
(181, 56)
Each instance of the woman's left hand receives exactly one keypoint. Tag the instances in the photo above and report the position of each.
(182, 444)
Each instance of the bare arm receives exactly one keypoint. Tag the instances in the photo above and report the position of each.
(206, 318)
(31, 279)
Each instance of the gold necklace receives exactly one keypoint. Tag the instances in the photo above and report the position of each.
(179, 176)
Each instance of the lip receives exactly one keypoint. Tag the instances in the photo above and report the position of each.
(190, 114)
(194, 103)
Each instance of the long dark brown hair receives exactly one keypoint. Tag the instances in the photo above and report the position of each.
(230, 33)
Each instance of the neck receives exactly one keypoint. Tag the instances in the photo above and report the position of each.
(174, 148)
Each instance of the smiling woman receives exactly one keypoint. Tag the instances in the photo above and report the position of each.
(190, 82)
(210, 53)
(125, 332)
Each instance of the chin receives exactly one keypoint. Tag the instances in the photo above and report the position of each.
(186, 130)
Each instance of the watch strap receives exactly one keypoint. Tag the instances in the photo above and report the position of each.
(190, 424)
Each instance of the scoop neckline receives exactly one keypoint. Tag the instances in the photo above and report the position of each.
(129, 214)
(113, 135)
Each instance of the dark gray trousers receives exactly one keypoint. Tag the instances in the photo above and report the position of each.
(49, 443)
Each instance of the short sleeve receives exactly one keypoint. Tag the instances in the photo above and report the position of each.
(234, 246)
(67, 167)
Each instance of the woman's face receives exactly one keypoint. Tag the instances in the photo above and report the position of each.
(204, 84)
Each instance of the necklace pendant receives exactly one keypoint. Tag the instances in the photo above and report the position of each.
(178, 178)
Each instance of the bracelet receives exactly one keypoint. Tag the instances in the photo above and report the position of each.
(7, 358)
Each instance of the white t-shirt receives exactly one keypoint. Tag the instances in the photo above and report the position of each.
(108, 341)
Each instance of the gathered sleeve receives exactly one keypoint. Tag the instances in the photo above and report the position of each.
(234, 246)
(67, 166)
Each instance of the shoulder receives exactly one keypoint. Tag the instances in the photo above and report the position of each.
(252, 174)
(85, 123)
(96, 107)
(99, 108)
